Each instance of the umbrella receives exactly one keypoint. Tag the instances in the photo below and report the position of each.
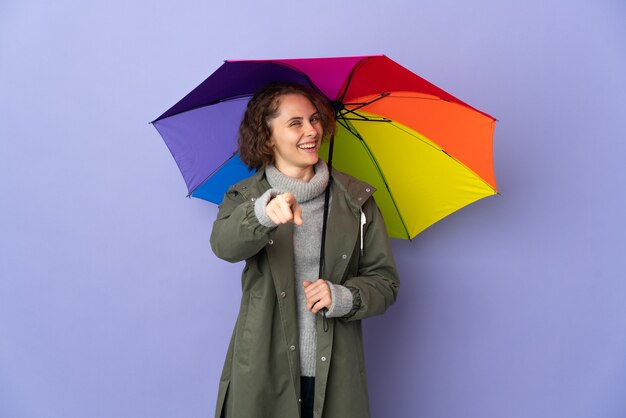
(427, 153)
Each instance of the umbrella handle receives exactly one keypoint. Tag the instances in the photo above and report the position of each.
(325, 221)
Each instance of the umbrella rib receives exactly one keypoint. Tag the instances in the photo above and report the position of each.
(344, 111)
(214, 102)
(365, 119)
(359, 105)
(380, 173)
(349, 80)
(343, 122)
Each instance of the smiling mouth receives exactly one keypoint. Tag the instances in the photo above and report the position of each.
(308, 146)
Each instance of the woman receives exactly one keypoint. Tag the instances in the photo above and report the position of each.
(282, 361)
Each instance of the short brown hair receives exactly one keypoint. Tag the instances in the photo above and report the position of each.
(255, 130)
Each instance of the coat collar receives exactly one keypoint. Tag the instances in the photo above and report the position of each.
(356, 191)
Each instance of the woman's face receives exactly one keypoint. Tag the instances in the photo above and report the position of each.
(296, 136)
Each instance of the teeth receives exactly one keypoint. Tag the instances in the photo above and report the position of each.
(307, 146)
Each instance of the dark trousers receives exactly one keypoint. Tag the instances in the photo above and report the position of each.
(307, 394)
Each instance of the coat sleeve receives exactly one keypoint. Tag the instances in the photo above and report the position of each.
(237, 233)
(376, 285)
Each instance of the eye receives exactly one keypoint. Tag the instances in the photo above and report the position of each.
(315, 119)
(295, 123)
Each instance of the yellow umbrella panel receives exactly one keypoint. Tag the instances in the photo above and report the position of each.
(418, 183)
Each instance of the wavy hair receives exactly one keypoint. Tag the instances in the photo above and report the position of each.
(255, 130)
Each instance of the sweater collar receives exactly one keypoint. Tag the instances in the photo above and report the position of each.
(302, 191)
(352, 188)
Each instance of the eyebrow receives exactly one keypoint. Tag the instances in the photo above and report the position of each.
(301, 118)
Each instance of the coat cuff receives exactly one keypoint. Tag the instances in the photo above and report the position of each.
(356, 301)
(261, 204)
(341, 301)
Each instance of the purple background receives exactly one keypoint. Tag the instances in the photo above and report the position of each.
(112, 304)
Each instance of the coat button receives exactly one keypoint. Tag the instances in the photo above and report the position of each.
(299, 400)
(323, 358)
(270, 242)
(359, 198)
(253, 199)
(292, 348)
(344, 256)
(283, 294)
(368, 190)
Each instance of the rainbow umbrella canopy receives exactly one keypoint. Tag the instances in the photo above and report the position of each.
(427, 153)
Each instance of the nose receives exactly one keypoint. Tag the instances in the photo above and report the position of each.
(309, 129)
